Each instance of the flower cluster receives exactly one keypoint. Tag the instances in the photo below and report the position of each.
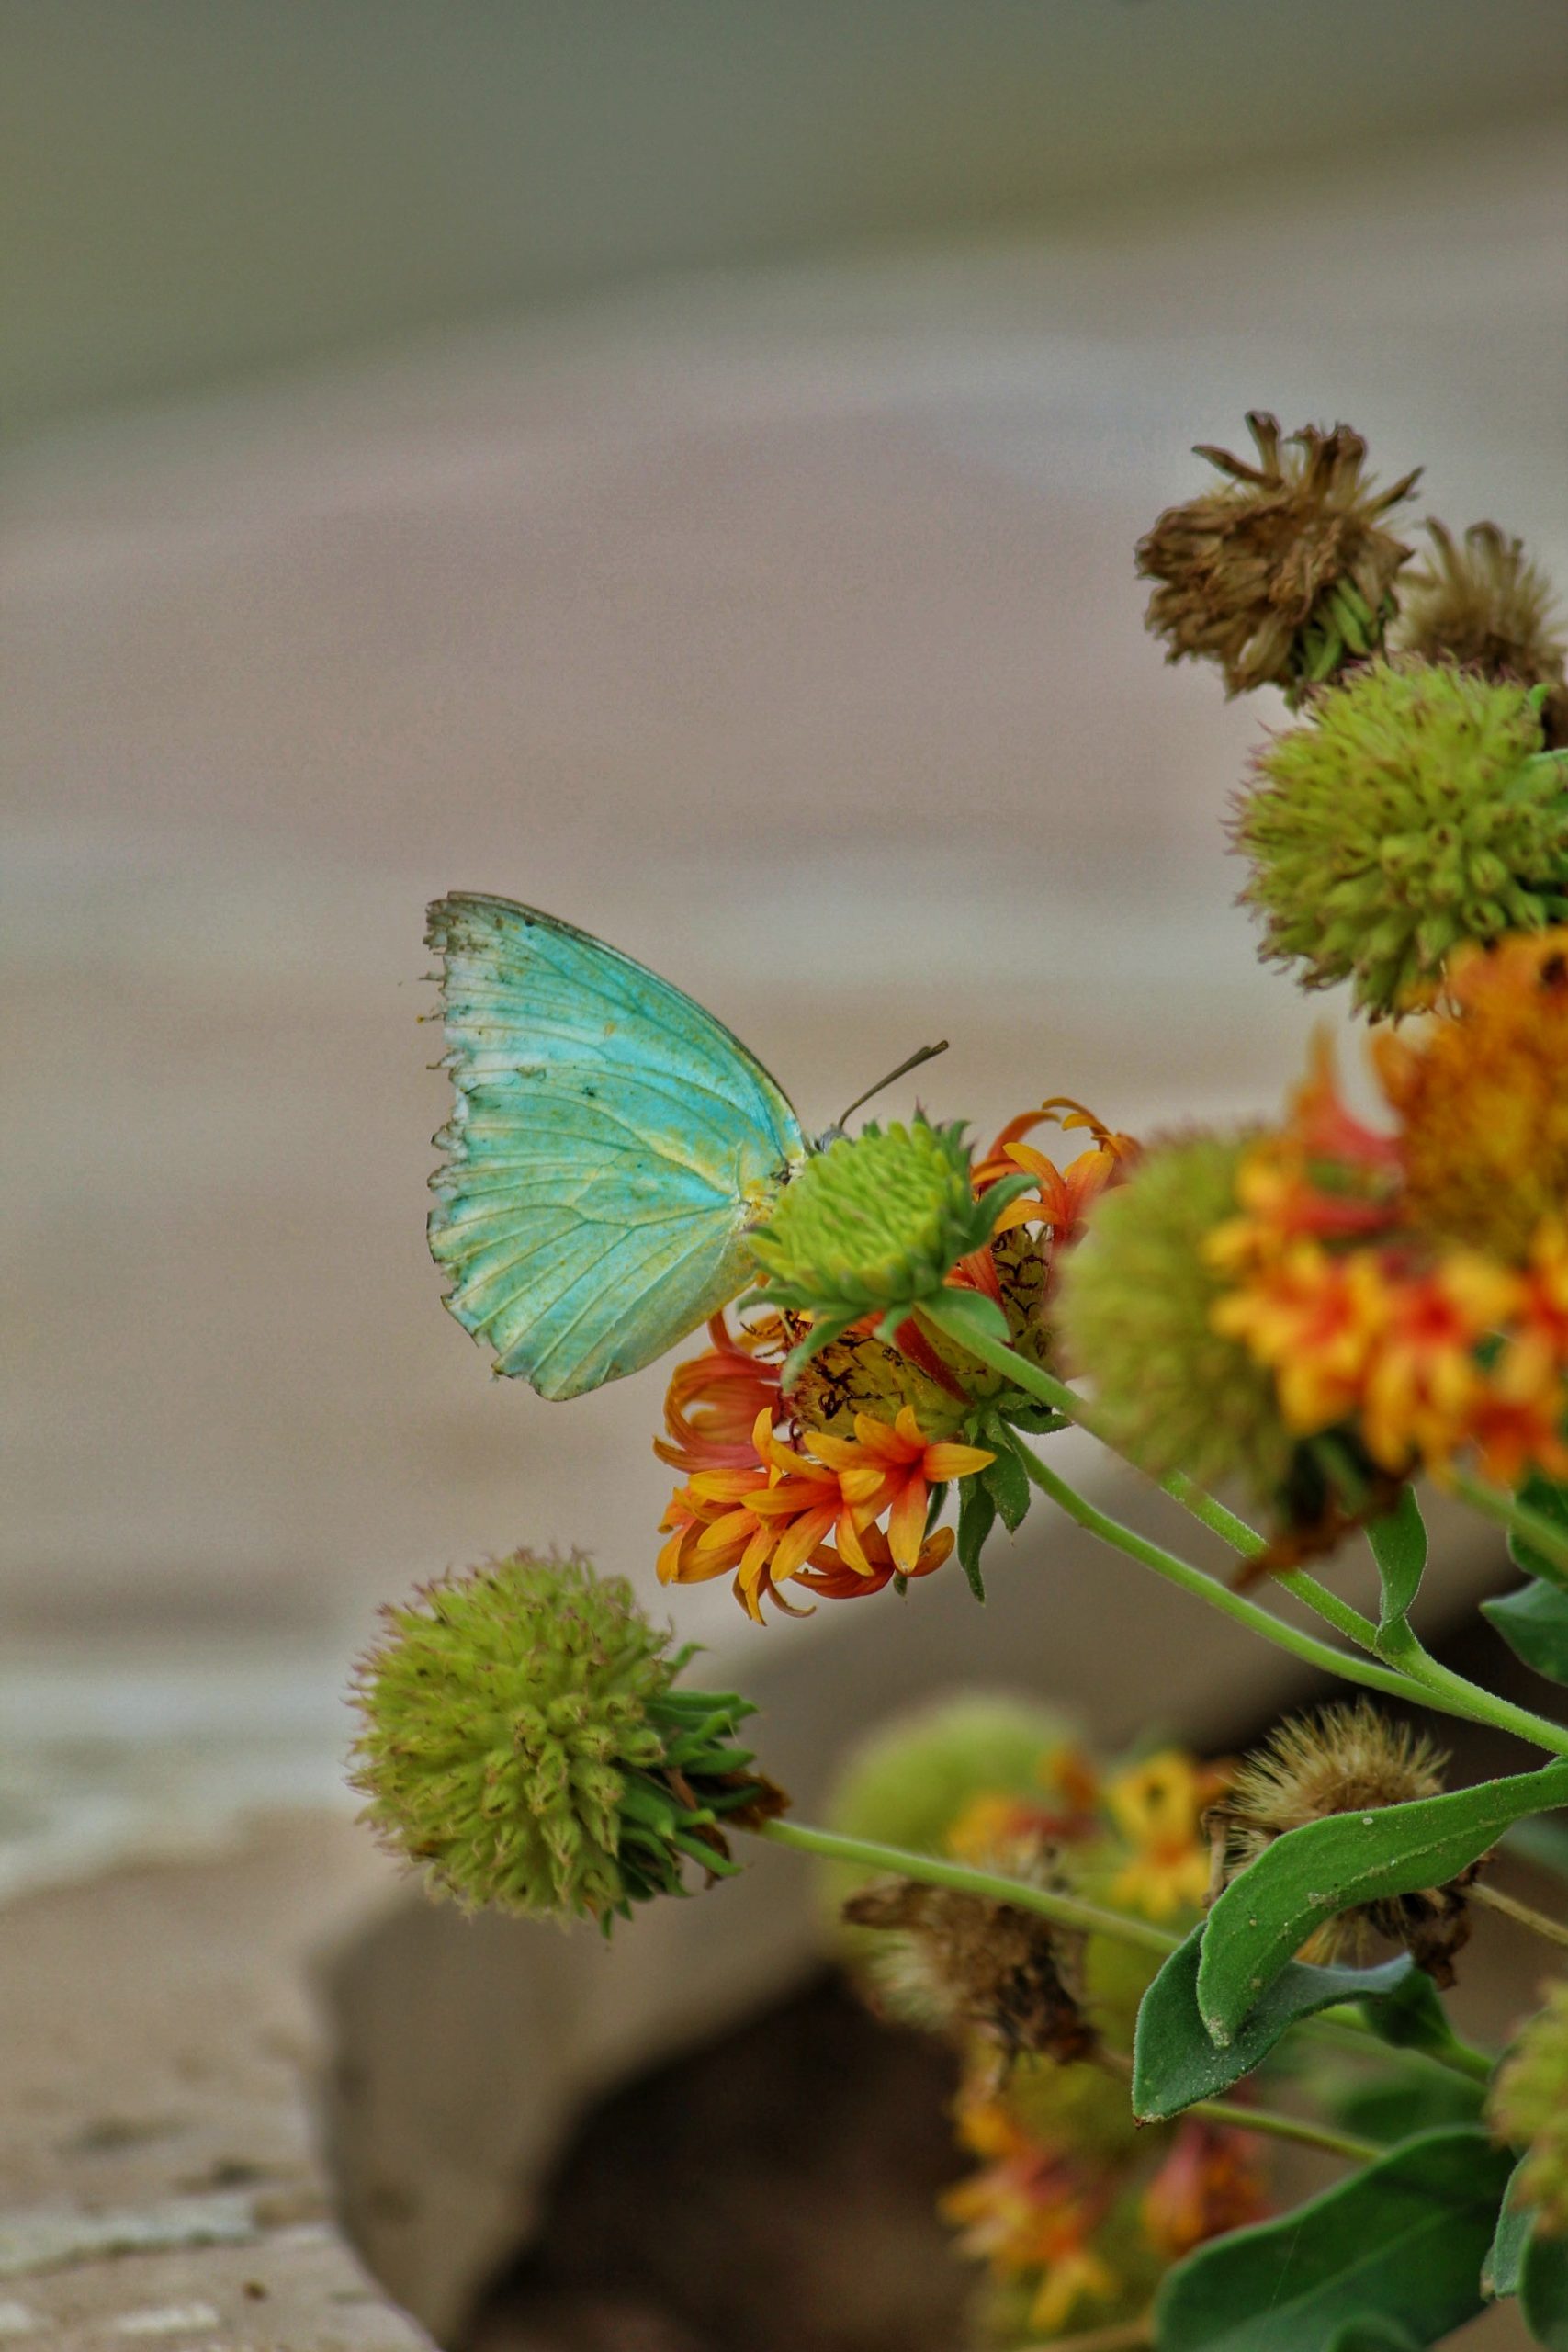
(1324, 1308)
(1074, 2210)
(815, 1442)
(1530, 2109)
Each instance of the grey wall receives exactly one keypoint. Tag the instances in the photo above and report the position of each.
(196, 187)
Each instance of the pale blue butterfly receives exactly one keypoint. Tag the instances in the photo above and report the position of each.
(610, 1146)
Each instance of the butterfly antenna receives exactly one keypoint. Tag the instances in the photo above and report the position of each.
(925, 1054)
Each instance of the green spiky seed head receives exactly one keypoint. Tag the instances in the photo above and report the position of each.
(1529, 2110)
(874, 1223)
(1134, 1313)
(523, 1739)
(1413, 812)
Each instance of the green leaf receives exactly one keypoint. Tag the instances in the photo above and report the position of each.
(1550, 1498)
(1411, 2016)
(1543, 2290)
(1534, 1623)
(976, 1517)
(1543, 1842)
(1174, 2062)
(1500, 2271)
(1337, 1864)
(1034, 1420)
(1399, 2246)
(1389, 2111)
(1006, 1478)
(1372, 2335)
(1399, 1547)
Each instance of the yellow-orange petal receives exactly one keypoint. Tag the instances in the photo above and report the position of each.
(798, 1543)
(885, 1442)
(906, 1523)
(949, 1460)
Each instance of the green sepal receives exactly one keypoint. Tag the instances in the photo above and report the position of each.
(1500, 2271)
(964, 1315)
(1550, 1498)
(1411, 2015)
(1396, 2248)
(1534, 1622)
(1399, 1547)
(1034, 1420)
(1174, 2060)
(976, 1517)
(1312, 1873)
(1543, 2289)
(1006, 1479)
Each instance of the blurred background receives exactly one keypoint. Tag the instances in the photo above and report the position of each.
(676, 462)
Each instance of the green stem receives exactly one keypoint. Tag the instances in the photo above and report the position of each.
(1063, 1910)
(1234, 1605)
(1419, 1676)
(1530, 1526)
(1525, 1914)
(1351, 2032)
(1275, 2126)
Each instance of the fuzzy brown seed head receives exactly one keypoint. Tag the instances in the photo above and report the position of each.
(1284, 572)
(1347, 1758)
(965, 1964)
(1484, 606)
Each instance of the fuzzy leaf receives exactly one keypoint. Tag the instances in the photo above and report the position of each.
(1399, 2246)
(1325, 1867)
(1534, 1623)
(1399, 1547)
(1550, 1498)
(1412, 2016)
(1388, 2111)
(976, 1517)
(1174, 2062)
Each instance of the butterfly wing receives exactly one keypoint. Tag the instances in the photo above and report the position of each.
(609, 1145)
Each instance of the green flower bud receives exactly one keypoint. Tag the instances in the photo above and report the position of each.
(1413, 812)
(874, 1225)
(1528, 2109)
(524, 1742)
(1133, 1312)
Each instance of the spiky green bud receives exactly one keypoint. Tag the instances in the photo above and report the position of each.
(1135, 1315)
(524, 1741)
(1415, 811)
(874, 1225)
(1528, 2109)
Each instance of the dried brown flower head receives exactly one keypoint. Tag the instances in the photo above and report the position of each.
(1286, 571)
(1487, 607)
(1347, 1758)
(965, 1964)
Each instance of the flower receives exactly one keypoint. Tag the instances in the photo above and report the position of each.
(523, 1740)
(873, 1226)
(1486, 607)
(1029, 2209)
(1482, 1098)
(1528, 2109)
(789, 1509)
(1061, 1199)
(1347, 1758)
(1135, 1314)
(1158, 1806)
(1413, 812)
(912, 1780)
(1211, 2182)
(1283, 571)
(893, 1470)
(711, 1408)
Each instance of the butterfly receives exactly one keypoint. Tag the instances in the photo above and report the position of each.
(610, 1146)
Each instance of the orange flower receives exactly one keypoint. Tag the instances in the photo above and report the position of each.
(1158, 1806)
(1315, 1321)
(1029, 2209)
(833, 1579)
(712, 1402)
(892, 1469)
(1424, 1379)
(1064, 1197)
(1210, 2183)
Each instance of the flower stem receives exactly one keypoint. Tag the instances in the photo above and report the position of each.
(1420, 1678)
(1531, 1527)
(1512, 1908)
(1267, 2120)
(1063, 1910)
(1209, 1589)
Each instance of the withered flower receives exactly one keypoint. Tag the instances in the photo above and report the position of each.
(1347, 1758)
(1285, 572)
(964, 1964)
(1487, 607)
